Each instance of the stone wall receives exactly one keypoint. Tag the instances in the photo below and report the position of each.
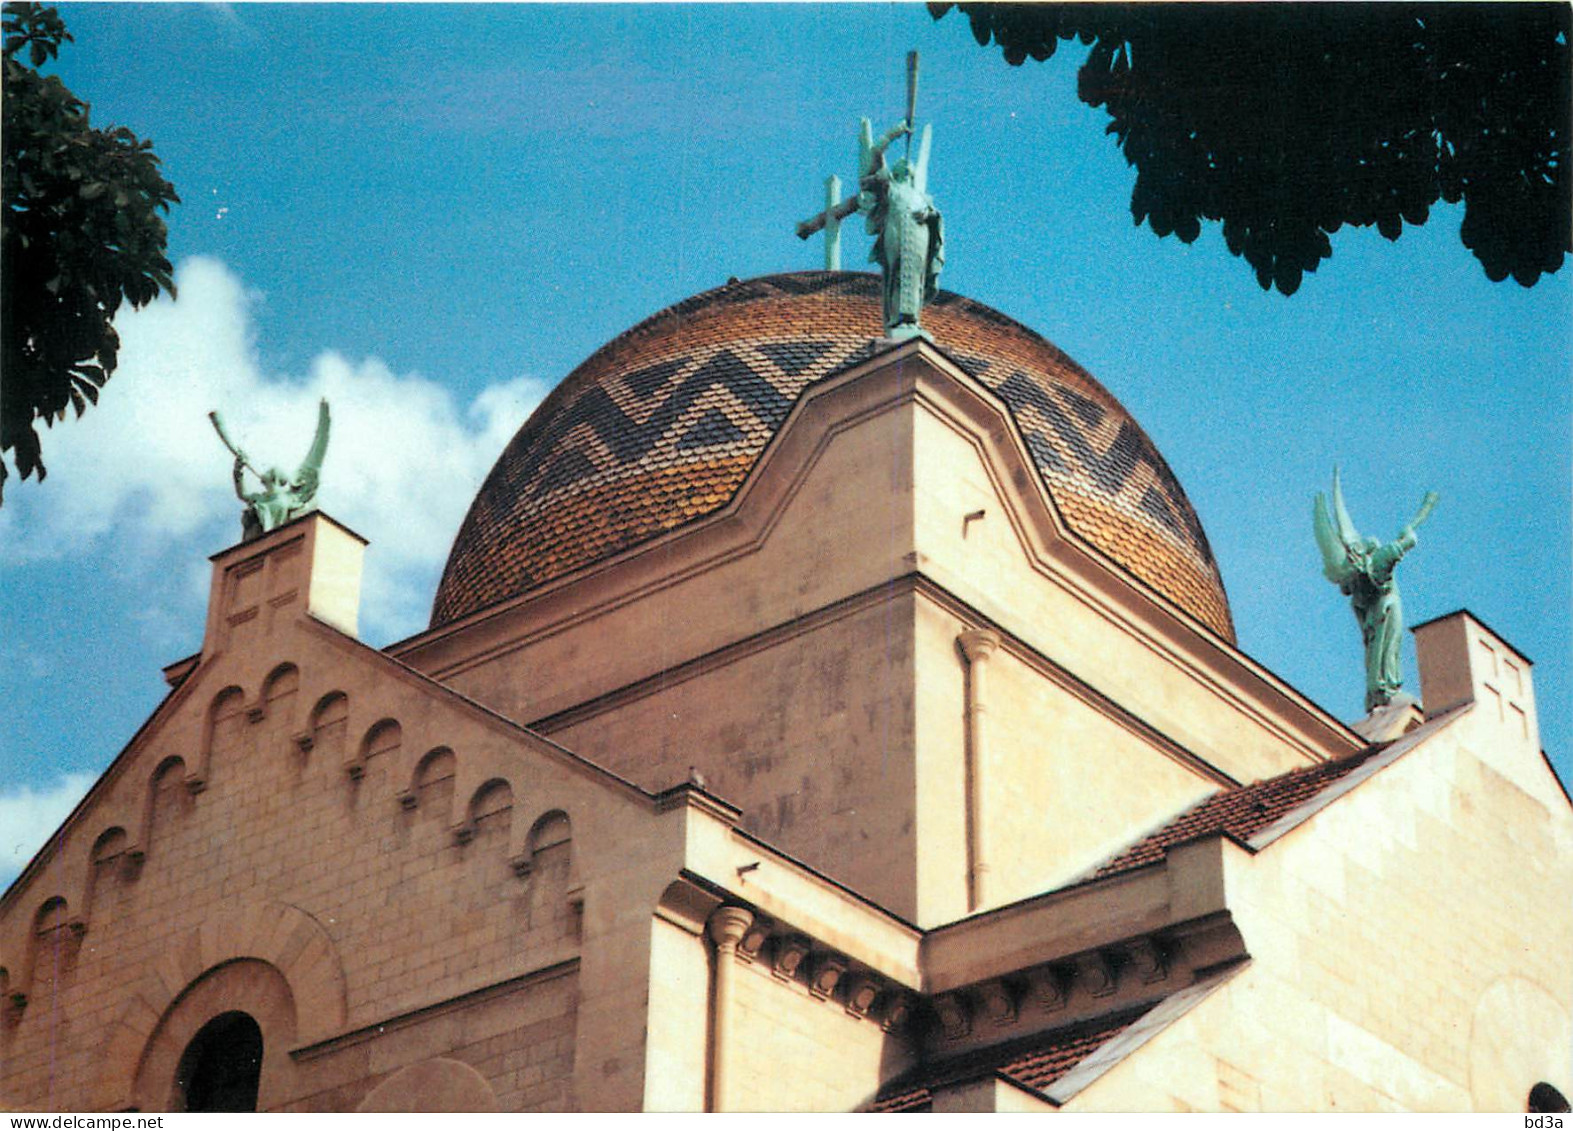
(1410, 952)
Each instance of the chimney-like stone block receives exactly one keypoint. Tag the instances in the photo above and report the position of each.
(1463, 661)
(334, 595)
(311, 565)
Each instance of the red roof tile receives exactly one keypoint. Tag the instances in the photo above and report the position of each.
(1035, 1062)
(1240, 812)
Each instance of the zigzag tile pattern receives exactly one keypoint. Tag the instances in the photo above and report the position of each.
(661, 426)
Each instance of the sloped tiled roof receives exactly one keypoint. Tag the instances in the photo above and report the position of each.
(662, 425)
(1241, 811)
(1035, 1062)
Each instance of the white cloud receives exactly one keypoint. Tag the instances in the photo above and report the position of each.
(28, 816)
(143, 475)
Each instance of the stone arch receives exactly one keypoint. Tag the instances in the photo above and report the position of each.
(385, 737)
(330, 720)
(221, 1068)
(169, 796)
(51, 946)
(547, 859)
(107, 864)
(490, 811)
(279, 692)
(1521, 1035)
(276, 935)
(438, 1084)
(431, 785)
(551, 829)
(1544, 1097)
(223, 730)
(247, 986)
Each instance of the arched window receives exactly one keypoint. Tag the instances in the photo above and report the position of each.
(1545, 1098)
(222, 1066)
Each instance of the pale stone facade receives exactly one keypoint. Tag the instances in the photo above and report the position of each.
(860, 791)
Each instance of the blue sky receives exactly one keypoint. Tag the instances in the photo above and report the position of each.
(431, 214)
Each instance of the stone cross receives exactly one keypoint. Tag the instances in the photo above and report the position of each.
(830, 220)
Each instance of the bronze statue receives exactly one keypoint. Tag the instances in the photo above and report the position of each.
(283, 497)
(909, 243)
(909, 234)
(1363, 569)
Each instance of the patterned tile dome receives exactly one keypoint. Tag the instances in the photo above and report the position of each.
(660, 426)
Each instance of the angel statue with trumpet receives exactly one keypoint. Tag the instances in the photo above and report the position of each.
(1363, 569)
(283, 497)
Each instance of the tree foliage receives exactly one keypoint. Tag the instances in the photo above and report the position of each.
(80, 234)
(1287, 121)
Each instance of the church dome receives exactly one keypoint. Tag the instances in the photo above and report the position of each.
(661, 425)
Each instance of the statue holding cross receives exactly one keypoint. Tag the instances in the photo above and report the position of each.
(908, 231)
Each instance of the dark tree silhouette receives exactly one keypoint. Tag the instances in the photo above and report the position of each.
(1287, 121)
(79, 234)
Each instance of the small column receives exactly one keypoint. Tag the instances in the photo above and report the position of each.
(728, 925)
(977, 645)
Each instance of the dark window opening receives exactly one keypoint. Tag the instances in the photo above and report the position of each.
(222, 1065)
(1544, 1098)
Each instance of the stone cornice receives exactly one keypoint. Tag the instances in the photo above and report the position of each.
(1105, 944)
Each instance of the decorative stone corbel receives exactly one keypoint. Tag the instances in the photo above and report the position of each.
(999, 1004)
(790, 953)
(12, 1003)
(257, 712)
(827, 974)
(954, 1016)
(1050, 988)
(753, 941)
(860, 998)
(407, 798)
(1096, 974)
(1146, 957)
(464, 833)
(897, 1012)
(522, 865)
(305, 740)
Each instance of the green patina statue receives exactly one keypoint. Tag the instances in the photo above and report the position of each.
(909, 234)
(1363, 569)
(283, 497)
